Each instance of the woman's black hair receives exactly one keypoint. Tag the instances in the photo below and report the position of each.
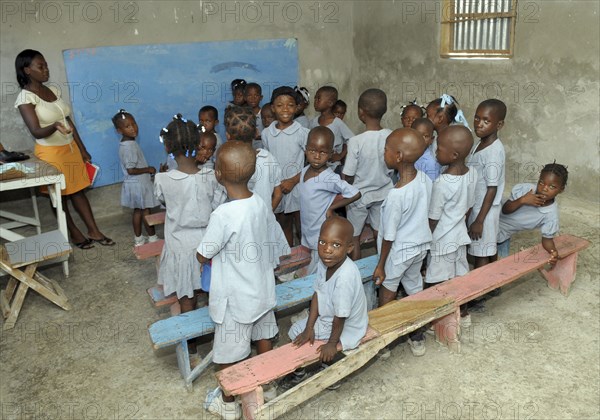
(558, 170)
(181, 136)
(23, 60)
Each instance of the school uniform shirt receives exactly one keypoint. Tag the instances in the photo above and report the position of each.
(489, 164)
(428, 163)
(528, 217)
(451, 197)
(365, 163)
(137, 191)
(303, 121)
(404, 221)
(343, 296)
(243, 259)
(316, 196)
(288, 148)
(341, 134)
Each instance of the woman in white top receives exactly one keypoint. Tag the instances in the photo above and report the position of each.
(48, 119)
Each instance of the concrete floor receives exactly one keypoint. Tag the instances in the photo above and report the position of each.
(533, 355)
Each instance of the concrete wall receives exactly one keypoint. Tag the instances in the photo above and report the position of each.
(550, 86)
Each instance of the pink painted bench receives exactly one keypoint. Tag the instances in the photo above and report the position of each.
(245, 378)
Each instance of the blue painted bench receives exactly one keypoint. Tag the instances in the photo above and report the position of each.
(177, 330)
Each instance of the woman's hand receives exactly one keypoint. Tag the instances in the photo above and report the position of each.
(62, 129)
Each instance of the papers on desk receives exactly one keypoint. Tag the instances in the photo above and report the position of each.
(14, 170)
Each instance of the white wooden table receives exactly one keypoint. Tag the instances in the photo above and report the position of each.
(44, 175)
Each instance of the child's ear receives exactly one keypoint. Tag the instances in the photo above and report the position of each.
(350, 247)
(455, 155)
(399, 156)
(500, 124)
(216, 122)
(227, 135)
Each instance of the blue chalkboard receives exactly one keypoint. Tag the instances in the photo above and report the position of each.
(154, 82)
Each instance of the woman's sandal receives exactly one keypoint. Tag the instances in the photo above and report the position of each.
(87, 244)
(105, 241)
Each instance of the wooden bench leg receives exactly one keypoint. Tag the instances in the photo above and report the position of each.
(183, 361)
(562, 275)
(15, 307)
(447, 330)
(251, 401)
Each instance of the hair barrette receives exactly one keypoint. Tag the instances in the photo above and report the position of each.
(446, 100)
(165, 130)
(460, 118)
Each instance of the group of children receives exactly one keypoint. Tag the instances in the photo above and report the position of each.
(432, 198)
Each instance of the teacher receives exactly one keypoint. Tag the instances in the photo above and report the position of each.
(57, 142)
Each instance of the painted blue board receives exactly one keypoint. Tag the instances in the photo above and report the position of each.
(154, 82)
(196, 323)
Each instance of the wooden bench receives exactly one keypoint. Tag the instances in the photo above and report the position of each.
(177, 330)
(440, 304)
(27, 253)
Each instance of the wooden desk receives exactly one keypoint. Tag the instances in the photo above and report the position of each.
(44, 175)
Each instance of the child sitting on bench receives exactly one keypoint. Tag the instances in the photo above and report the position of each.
(532, 207)
(242, 290)
(338, 310)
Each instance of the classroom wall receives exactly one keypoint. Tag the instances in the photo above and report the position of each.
(550, 86)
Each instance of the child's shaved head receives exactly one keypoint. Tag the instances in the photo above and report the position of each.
(373, 102)
(236, 162)
(498, 107)
(321, 133)
(330, 91)
(409, 142)
(209, 139)
(341, 225)
(459, 139)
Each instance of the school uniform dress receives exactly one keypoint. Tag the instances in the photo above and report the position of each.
(303, 121)
(316, 196)
(451, 198)
(489, 164)
(428, 163)
(404, 221)
(189, 200)
(137, 191)
(267, 176)
(288, 148)
(365, 163)
(341, 133)
(59, 150)
(342, 296)
(526, 217)
(242, 295)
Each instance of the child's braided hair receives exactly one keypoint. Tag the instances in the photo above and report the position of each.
(558, 170)
(240, 123)
(181, 136)
(120, 116)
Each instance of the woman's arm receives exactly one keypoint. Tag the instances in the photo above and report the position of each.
(33, 123)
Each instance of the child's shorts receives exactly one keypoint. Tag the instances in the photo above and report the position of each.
(322, 329)
(411, 278)
(445, 267)
(503, 249)
(232, 339)
(486, 245)
(358, 215)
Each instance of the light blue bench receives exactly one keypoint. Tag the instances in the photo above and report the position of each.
(177, 330)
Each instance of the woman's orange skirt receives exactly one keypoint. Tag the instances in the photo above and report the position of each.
(68, 160)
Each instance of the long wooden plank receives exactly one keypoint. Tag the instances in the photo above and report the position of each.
(396, 314)
(158, 298)
(487, 278)
(170, 331)
(37, 248)
(154, 219)
(149, 250)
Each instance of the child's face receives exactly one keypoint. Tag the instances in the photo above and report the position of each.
(205, 150)
(334, 245)
(486, 122)
(339, 111)
(284, 108)
(238, 97)
(426, 132)
(128, 127)
(549, 185)
(444, 153)
(318, 151)
(390, 156)
(267, 116)
(208, 121)
(323, 101)
(301, 107)
(411, 113)
(253, 97)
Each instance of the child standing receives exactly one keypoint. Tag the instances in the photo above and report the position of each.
(286, 140)
(318, 187)
(404, 236)
(533, 207)
(444, 111)
(338, 309)
(137, 191)
(365, 167)
(303, 102)
(325, 99)
(410, 113)
(208, 117)
(190, 195)
(488, 159)
(206, 150)
(452, 198)
(427, 163)
(237, 91)
(339, 109)
(252, 97)
(266, 115)
(242, 295)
